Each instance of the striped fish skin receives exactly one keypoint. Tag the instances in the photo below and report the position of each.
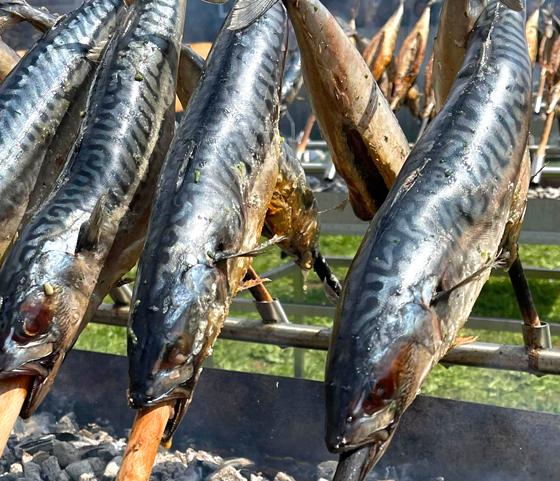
(36, 95)
(292, 212)
(365, 139)
(444, 220)
(52, 269)
(216, 184)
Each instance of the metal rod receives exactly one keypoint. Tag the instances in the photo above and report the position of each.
(477, 354)
(118, 316)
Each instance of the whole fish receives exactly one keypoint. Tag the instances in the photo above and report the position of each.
(348, 105)
(379, 52)
(37, 94)
(129, 241)
(212, 198)
(8, 60)
(52, 269)
(293, 216)
(456, 20)
(410, 57)
(429, 250)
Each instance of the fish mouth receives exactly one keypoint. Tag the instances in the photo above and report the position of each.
(42, 373)
(366, 429)
(354, 465)
(179, 397)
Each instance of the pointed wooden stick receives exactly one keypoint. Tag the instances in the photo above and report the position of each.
(13, 391)
(259, 291)
(143, 443)
(300, 149)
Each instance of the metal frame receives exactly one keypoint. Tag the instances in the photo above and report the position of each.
(542, 226)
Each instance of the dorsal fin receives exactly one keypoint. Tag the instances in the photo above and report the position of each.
(245, 12)
(88, 237)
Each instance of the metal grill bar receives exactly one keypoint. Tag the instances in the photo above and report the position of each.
(477, 354)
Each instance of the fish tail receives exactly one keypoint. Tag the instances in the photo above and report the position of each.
(325, 273)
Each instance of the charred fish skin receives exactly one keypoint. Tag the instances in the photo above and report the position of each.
(402, 303)
(36, 95)
(51, 271)
(212, 197)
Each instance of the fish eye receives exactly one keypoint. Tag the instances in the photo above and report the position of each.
(37, 318)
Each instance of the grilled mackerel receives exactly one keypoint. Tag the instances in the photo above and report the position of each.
(37, 94)
(348, 105)
(50, 273)
(428, 252)
(212, 199)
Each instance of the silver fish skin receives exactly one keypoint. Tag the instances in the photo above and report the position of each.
(52, 269)
(212, 198)
(36, 95)
(429, 250)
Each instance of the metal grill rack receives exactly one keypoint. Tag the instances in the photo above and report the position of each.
(543, 228)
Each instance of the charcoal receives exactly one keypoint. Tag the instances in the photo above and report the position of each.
(227, 473)
(62, 476)
(32, 471)
(67, 424)
(283, 477)
(50, 468)
(65, 453)
(16, 468)
(112, 469)
(40, 457)
(67, 437)
(97, 465)
(9, 477)
(76, 469)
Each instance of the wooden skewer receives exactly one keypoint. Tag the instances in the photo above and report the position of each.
(13, 391)
(300, 149)
(8, 60)
(143, 443)
(259, 291)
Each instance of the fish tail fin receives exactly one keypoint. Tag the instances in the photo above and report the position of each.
(245, 12)
(332, 285)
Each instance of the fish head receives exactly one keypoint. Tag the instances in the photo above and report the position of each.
(374, 375)
(169, 338)
(40, 316)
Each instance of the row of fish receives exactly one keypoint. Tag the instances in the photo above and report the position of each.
(77, 200)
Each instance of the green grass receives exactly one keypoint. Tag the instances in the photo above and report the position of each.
(480, 385)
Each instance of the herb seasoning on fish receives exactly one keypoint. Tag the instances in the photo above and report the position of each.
(430, 248)
(35, 97)
(212, 198)
(51, 271)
